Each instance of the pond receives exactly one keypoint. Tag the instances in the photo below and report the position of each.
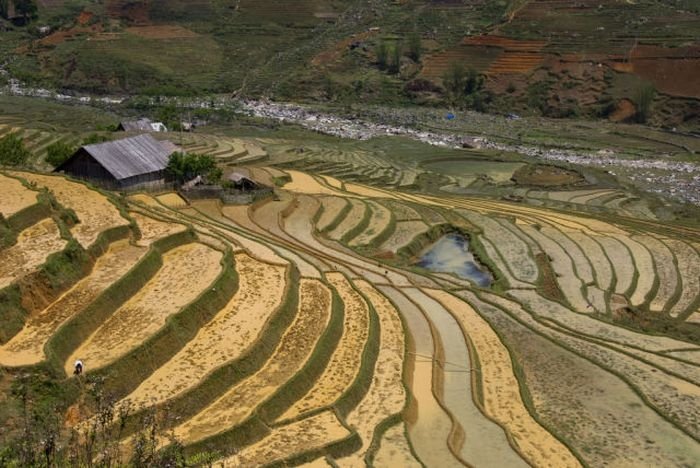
(450, 254)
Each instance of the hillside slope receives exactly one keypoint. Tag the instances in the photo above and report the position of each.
(561, 58)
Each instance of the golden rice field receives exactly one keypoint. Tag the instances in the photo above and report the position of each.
(303, 331)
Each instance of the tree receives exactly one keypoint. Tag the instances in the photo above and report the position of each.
(415, 49)
(474, 82)
(57, 153)
(643, 102)
(455, 80)
(382, 52)
(94, 138)
(26, 8)
(187, 166)
(12, 150)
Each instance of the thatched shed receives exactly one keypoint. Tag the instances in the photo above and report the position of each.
(130, 163)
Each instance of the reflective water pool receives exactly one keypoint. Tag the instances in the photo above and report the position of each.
(450, 254)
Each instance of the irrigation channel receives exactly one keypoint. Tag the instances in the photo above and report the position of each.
(450, 254)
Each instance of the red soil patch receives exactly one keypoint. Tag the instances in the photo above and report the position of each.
(84, 17)
(625, 110)
(134, 11)
(506, 43)
(162, 32)
(673, 71)
(479, 58)
(59, 37)
(489, 54)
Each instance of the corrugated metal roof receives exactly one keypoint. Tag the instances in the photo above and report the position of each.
(141, 125)
(133, 156)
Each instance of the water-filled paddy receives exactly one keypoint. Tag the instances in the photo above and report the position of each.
(450, 254)
(499, 171)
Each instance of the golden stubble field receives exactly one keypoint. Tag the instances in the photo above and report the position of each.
(316, 353)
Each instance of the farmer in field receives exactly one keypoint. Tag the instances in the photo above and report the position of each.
(78, 367)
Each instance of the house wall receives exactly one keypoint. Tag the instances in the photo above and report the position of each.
(84, 166)
(150, 181)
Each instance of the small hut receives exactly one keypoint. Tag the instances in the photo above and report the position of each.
(242, 182)
(126, 164)
(141, 125)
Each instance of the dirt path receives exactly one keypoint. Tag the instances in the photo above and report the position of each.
(291, 354)
(27, 347)
(309, 434)
(233, 330)
(33, 246)
(188, 269)
(94, 210)
(346, 360)
(502, 400)
(15, 196)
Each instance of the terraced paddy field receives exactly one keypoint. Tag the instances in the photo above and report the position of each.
(299, 331)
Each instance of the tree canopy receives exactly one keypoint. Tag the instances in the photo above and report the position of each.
(187, 166)
(12, 150)
(57, 153)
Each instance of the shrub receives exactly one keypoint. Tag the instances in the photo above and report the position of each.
(464, 86)
(13, 151)
(537, 94)
(643, 102)
(58, 153)
(94, 138)
(382, 53)
(415, 48)
(396, 53)
(454, 81)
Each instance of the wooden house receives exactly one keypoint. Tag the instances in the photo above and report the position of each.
(127, 164)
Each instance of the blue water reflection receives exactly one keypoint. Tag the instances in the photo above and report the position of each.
(450, 254)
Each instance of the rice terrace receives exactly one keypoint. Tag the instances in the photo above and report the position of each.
(212, 257)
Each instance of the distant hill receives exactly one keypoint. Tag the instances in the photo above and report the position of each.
(559, 58)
